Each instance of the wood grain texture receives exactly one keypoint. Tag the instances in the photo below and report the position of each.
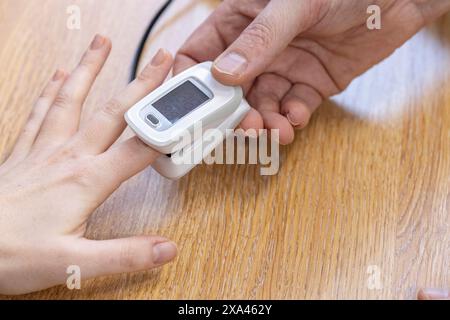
(366, 184)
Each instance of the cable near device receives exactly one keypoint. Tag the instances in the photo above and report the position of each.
(148, 31)
(191, 98)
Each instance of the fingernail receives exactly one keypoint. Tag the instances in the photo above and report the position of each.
(231, 63)
(98, 42)
(434, 294)
(164, 252)
(58, 75)
(292, 119)
(158, 58)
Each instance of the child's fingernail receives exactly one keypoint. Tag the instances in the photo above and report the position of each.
(164, 252)
(58, 75)
(434, 294)
(231, 63)
(98, 42)
(159, 58)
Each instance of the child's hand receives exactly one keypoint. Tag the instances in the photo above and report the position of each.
(58, 174)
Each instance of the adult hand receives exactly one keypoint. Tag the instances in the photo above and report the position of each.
(58, 174)
(290, 55)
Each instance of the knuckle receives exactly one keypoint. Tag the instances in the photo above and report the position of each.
(259, 33)
(62, 100)
(64, 154)
(267, 88)
(88, 62)
(83, 174)
(127, 257)
(76, 169)
(132, 256)
(113, 108)
(146, 74)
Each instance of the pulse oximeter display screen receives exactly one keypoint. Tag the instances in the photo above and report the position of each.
(180, 101)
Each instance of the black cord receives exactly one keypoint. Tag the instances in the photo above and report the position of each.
(138, 54)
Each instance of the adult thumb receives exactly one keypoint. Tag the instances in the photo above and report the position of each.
(99, 258)
(261, 42)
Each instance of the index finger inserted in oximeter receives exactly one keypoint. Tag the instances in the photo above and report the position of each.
(171, 112)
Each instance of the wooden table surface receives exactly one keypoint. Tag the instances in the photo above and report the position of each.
(362, 194)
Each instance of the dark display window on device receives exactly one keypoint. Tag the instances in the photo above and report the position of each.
(180, 101)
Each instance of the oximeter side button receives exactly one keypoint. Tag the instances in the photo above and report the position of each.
(153, 120)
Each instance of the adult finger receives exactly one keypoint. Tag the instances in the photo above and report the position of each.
(124, 160)
(262, 41)
(299, 104)
(37, 116)
(106, 125)
(64, 115)
(99, 258)
(207, 42)
(266, 97)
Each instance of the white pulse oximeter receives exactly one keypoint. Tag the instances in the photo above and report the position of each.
(173, 110)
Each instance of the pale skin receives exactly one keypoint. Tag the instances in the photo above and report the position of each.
(60, 171)
(58, 174)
